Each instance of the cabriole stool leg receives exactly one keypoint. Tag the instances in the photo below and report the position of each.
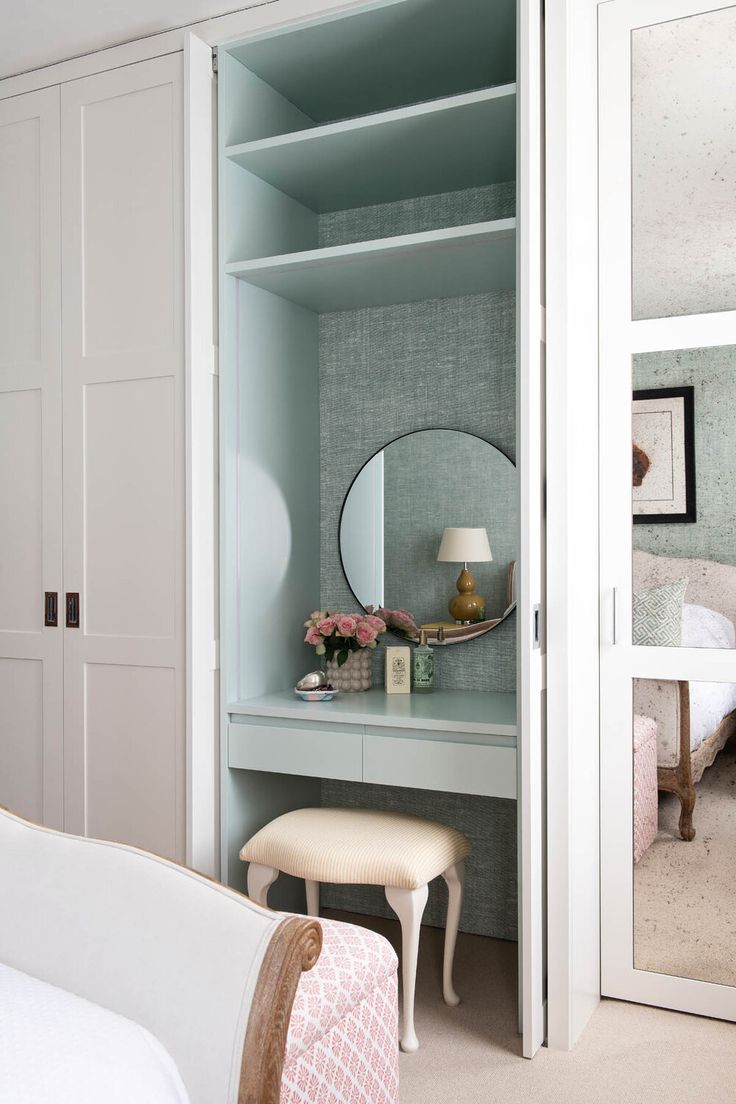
(408, 904)
(454, 877)
(260, 879)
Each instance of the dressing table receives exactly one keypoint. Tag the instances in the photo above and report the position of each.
(454, 740)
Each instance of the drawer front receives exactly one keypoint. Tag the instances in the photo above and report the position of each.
(317, 753)
(440, 765)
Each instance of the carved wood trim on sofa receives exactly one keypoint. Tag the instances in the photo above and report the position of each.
(294, 948)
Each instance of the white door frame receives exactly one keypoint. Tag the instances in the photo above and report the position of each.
(621, 662)
(201, 405)
(571, 136)
(530, 420)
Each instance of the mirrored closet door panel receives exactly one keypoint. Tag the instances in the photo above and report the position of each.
(668, 503)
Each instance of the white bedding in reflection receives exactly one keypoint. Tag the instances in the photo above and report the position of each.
(710, 702)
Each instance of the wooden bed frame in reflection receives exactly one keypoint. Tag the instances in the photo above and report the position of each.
(691, 765)
(713, 585)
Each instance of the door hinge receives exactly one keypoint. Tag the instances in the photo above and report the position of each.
(214, 61)
(215, 360)
(215, 655)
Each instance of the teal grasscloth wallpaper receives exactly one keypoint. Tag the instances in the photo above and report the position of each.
(386, 371)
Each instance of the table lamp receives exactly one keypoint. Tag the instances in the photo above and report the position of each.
(465, 546)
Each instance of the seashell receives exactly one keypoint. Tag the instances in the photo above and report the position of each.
(312, 681)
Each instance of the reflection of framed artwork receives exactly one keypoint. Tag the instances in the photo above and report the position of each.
(663, 430)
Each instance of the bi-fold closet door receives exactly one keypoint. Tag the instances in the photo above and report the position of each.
(92, 470)
(668, 494)
(31, 672)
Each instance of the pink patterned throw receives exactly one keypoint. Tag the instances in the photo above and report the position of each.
(342, 1046)
(645, 784)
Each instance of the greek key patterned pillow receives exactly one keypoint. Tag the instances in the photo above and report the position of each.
(658, 615)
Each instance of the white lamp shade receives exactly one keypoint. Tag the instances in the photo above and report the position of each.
(464, 546)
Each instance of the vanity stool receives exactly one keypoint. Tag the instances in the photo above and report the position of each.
(398, 851)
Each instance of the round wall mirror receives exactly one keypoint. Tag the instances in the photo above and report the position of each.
(430, 526)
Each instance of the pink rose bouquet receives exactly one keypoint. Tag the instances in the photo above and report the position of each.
(336, 635)
(398, 621)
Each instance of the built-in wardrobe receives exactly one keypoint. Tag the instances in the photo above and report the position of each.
(92, 456)
(380, 271)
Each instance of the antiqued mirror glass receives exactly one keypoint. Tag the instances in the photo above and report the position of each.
(684, 498)
(683, 134)
(684, 822)
(429, 522)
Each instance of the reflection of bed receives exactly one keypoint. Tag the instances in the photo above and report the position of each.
(694, 719)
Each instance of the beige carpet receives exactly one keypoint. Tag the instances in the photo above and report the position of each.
(629, 1054)
(685, 893)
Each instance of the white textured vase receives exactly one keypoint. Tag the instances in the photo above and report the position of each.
(356, 672)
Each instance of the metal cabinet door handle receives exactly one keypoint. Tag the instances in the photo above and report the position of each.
(51, 609)
(72, 609)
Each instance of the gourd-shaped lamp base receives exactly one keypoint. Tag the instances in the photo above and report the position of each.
(467, 606)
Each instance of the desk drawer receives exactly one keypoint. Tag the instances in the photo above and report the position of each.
(440, 765)
(315, 752)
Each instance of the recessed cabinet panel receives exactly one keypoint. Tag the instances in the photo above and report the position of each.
(129, 260)
(123, 449)
(133, 776)
(683, 147)
(440, 765)
(21, 510)
(330, 752)
(130, 510)
(31, 702)
(21, 739)
(20, 229)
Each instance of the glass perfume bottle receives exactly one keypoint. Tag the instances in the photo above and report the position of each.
(423, 665)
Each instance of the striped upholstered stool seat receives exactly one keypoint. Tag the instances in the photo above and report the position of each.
(400, 852)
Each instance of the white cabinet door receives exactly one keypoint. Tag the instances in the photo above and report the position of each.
(668, 391)
(123, 460)
(30, 453)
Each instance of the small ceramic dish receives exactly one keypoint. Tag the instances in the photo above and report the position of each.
(315, 695)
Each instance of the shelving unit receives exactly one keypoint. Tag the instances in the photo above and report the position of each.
(464, 260)
(365, 161)
(392, 155)
(386, 56)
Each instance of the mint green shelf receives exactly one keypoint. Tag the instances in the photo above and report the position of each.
(447, 144)
(350, 63)
(443, 714)
(436, 264)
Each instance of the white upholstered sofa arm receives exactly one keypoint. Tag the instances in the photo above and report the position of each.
(207, 971)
